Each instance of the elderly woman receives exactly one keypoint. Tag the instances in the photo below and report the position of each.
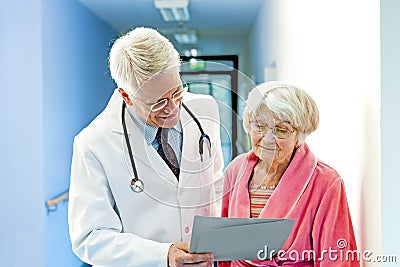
(281, 178)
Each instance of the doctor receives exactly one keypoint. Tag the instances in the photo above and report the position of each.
(147, 164)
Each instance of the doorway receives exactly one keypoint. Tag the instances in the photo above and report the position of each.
(217, 76)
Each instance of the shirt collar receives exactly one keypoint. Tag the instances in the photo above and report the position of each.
(149, 131)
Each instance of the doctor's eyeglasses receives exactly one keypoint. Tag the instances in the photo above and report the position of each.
(160, 104)
(280, 131)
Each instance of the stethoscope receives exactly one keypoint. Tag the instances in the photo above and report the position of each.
(136, 184)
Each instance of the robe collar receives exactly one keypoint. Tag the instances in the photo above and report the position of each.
(290, 188)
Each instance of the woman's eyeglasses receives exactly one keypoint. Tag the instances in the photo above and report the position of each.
(280, 132)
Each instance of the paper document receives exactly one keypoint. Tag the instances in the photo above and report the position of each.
(239, 238)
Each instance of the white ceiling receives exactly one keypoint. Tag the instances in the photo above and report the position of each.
(222, 25)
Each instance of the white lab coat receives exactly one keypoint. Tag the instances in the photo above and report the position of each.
(109, 224)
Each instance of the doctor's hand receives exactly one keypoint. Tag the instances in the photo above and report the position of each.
(178, 255)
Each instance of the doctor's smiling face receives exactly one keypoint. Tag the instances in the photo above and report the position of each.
(158, 101)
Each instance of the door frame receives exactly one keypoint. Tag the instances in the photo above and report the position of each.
(234, 86)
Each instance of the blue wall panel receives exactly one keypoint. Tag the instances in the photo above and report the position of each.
(21, 147)
(390, 58)
(76, 86)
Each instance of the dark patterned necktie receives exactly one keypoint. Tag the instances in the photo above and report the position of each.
(166, 151)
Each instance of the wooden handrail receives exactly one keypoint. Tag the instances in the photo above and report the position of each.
(51, 204)
(57, 200)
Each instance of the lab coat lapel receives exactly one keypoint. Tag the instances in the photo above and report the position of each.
(292, 184)
(190, 162)
(148, 155)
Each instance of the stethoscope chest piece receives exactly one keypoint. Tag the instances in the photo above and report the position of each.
(137, 186)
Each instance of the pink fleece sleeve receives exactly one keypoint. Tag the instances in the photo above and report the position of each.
(332, 233)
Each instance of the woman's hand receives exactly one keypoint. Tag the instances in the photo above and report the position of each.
(178, 255)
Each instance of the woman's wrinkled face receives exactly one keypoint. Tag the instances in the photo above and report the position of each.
(272, 139)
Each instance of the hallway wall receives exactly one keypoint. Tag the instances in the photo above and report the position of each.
(76, 87)
(54, 80)
(390, 43)
(22, 223)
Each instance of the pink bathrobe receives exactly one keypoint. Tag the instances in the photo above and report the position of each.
(310, 192)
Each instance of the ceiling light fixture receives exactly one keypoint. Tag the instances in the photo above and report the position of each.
(186, 37)
(194, 51)
(191, 52)
(173, 10)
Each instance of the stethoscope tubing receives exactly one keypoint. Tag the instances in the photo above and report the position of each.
(203, 135)
(137, 185)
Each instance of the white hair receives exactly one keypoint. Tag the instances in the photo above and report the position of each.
(138, 56)
(286, 102)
